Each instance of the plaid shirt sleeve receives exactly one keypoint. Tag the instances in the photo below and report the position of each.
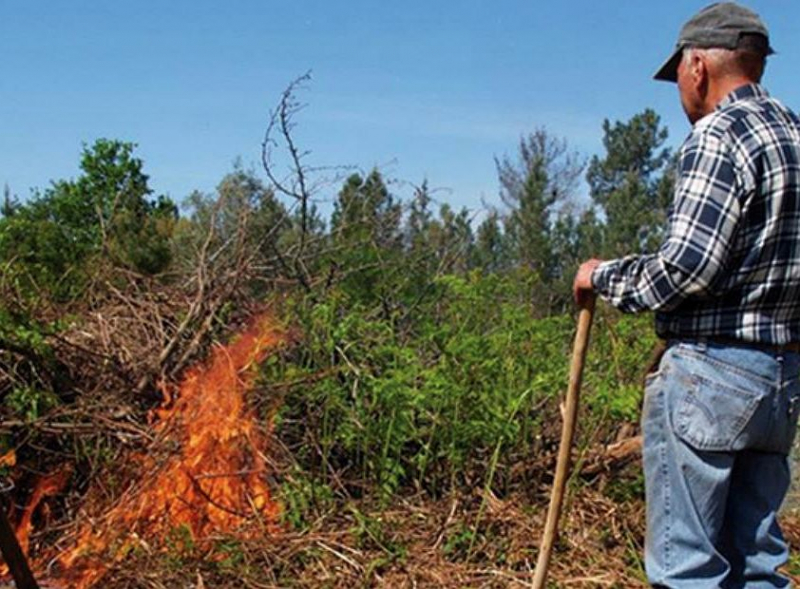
(702, 226)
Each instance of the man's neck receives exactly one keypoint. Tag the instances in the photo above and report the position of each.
(721, 89)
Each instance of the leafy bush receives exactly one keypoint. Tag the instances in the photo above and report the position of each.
(455, 396)
(50, 243)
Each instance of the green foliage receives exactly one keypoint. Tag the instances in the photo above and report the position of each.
(432, 353)
(29, 403)
(370, 533)
(365, 213)
(303, 498)
(133, 230)
(180, 540)
(459, 542)
(460, 394)
(490, 246)
(452, 240)
(544, 176)
(180, 547)
(420, 220)
(793, 566)
(44, 244)
(10, 203)
(49, 243)
(29, 393)
(232, 555)
(365, 230)
(19, 332)
(632, 183)
(623, 489)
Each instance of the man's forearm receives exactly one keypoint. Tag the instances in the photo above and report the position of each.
(638, 283)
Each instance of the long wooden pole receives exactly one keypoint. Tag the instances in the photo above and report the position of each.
(567, 435)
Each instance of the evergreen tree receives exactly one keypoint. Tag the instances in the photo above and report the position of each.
(544, 175)
(243, 211)
(632, 184)
(490, 250)
(251, 205)
(10, 203)
(418, 224)
(420, 253)
(452, 240)
(366, 236)
(108, 211)
(366, 213)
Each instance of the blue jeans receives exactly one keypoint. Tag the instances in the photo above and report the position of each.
(718, 424)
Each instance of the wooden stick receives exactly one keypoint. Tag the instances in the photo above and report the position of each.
(567, 436)
(13, 555)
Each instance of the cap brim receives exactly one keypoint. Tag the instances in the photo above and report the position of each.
(668, 72)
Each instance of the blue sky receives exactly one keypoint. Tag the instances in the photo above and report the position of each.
(420, 89)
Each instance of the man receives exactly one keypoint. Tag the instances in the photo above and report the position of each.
(720, 413)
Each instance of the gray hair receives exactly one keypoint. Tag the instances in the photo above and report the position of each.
(742, 62)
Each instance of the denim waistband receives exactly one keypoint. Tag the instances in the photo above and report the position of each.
(793, 347)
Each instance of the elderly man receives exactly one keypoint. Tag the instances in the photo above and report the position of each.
(720, 412)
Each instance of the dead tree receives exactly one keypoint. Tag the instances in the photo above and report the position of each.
(284, 162)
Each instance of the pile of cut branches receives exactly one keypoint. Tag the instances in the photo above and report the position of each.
(79, 377)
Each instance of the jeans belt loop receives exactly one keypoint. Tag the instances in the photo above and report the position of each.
(702, 343)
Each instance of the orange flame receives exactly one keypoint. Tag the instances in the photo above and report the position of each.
(46, 486)
(214, 483)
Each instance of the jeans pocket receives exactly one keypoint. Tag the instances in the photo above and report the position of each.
(711, 415)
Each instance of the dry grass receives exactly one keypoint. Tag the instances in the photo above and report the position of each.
(414, 543)
(421, 544)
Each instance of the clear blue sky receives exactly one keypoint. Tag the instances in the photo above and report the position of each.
(421, 89)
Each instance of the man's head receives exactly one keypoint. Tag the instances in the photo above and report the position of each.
(720, 48)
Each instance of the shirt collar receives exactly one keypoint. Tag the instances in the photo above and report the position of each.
(746, 92)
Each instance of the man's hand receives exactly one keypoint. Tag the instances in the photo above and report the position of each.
(583, 279)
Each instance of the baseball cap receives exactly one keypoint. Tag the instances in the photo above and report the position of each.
(724, 24)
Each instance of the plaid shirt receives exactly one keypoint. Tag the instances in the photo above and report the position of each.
(730, 263)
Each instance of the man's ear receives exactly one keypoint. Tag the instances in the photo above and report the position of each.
(698, 69)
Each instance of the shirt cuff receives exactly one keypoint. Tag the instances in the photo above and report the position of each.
(601, 276)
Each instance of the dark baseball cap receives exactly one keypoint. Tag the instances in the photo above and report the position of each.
(726, 25)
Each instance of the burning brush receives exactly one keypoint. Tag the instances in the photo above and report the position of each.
(215, 482)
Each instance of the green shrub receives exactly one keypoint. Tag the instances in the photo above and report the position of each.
(52, 243)
(456, 395)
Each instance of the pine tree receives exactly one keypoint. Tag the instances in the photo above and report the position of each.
(366, 236)
(632, 184)
(544, 175)
(10, 203)
(490, 247)
(452, 240)
(365, 213)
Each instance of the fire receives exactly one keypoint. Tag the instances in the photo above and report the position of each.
(46, 486)
(214, 483)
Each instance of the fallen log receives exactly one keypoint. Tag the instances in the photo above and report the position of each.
(614, 456)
